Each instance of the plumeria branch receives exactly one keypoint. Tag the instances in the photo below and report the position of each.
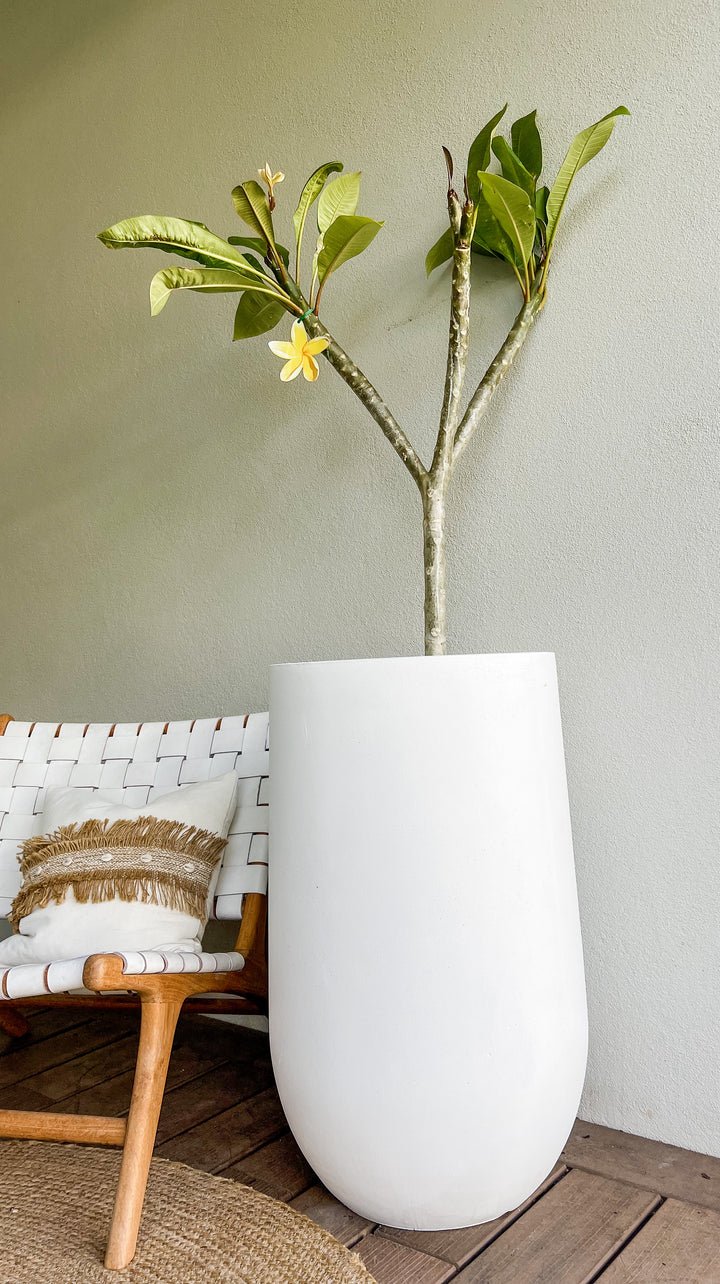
(506, 216)
(372, 401)
(496, 372)
(363, 389)
(461, 224)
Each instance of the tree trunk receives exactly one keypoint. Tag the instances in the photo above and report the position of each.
(434, 565)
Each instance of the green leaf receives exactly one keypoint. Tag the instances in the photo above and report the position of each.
(441, 251)
(479, 154)
(174, 236)
(318, 247)
(541, 200)
(526, 143)
(252, 205)
(512, 167)
(489, 237)
(256, 315)
(513, 211)
(259, 246)
(339, 197)
(310, 193)
(204, 280)
(347, 236)
(477, 247)
(584, 146)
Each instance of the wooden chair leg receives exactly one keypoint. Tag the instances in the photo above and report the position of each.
(157, 1028)
(12, 1022)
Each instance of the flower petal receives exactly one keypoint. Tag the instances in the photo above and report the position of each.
(291, 369)
(310, 368)
(299, 335)
(281, 349)
(316, 345)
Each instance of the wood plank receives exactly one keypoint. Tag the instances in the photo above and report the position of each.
(279, 1169)
(43, 1023)
(108, 1073)
(48, 1087)
(567, 1236)
(458, 1246)
(34, 1057)
(679, 1245)
(653, 1165)
(229, 1136)
(320, 1206)
(392, 1263)
(205, 1097)
(113, 1096)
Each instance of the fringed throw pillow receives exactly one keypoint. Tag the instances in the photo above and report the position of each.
(101, 877)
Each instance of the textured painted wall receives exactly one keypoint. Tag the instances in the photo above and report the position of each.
(174, 519)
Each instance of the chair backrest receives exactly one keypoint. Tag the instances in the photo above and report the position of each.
(134, 763)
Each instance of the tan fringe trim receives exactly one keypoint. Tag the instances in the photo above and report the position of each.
(172, 843)
(146, 831)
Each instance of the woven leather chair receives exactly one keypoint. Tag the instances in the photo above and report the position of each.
(135, 763)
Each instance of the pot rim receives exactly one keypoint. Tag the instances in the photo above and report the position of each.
(489, 657)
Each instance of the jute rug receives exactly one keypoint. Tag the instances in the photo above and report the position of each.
(55, 1208)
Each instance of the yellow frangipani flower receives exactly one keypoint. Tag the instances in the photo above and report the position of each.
(300, 354)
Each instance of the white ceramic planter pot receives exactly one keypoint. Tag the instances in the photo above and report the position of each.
(427, 1002)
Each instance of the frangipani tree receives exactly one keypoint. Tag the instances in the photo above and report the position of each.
(506, 215)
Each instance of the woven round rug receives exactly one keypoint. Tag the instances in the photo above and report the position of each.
(55, 1208)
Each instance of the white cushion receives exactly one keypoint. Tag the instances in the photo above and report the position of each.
(71, 929)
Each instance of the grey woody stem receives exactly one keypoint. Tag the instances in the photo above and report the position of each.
(435, 490)
(496, 372)
(453, 436)
(434, 566)
(461, 224)
(370, 398)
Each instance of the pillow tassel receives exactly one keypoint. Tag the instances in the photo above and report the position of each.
(162, 862)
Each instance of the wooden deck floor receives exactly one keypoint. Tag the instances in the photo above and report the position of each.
(616, 1208)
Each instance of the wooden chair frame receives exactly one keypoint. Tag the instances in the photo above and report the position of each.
(161, 998)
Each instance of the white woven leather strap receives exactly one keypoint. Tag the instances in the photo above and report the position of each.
(32, 980)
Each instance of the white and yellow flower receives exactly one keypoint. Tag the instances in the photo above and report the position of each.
(299, 353)
(271, 179)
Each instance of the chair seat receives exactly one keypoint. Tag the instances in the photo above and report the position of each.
(32, 980)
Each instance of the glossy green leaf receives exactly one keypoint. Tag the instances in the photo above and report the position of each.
(318, 247)
(339, 197)
(249, 260)
(310, 193)
(541, 200)
(347, 236)
(204, 280)
(479, 154)
(174, 236)
(251, 204)
(441, 251)
(512, 167)
(477, 247)
(256, 314)
(489, 237)
(583, 148)
(260, 246)
(513, 211)
(526, 143)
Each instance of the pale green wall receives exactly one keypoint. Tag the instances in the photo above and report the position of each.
(174, 519)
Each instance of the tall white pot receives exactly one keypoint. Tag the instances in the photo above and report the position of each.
(427, 1004)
